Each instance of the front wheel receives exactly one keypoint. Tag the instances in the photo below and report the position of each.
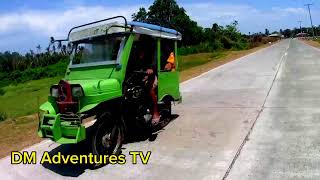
(107, 140)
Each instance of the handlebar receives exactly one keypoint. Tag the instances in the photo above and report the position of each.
(143, 72)
(140, 72)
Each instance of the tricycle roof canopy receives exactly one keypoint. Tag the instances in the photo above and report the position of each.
(155, 30)
(116, 27)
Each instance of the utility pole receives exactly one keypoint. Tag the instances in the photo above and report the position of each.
(300, 26)
(308, 5)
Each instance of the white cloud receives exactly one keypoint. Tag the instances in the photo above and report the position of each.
(207, 13)
(56, 23)
(288, 11)
(24, 30)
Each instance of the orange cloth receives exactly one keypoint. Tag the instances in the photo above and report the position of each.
(171, 58)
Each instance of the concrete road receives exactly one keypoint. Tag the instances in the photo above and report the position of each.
(218, 110)
(285, 142)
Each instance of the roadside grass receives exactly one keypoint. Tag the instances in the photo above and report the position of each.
(16, 129)
(24, 99)
(314, 43)
(19, 103)
(318, 43)
(194, 60)
(1, 92)
(3, 116)
(18, 133)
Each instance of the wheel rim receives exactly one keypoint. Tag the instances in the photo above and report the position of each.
(108, 142)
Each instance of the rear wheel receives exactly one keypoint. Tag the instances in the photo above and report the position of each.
(107, 139)
(166, 110)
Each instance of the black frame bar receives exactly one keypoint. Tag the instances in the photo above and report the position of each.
(115, 17)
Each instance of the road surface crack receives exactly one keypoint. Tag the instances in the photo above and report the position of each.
(261, 110)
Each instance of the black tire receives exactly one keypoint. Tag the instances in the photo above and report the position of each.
(167, 109)
(107, 139)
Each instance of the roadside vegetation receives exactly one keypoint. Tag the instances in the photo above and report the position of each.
(24, 98)
(312, 42)
(318, 41)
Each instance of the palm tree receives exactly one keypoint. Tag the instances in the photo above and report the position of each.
(39, 48)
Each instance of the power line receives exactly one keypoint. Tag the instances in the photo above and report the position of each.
(308, 5)
(300, 26)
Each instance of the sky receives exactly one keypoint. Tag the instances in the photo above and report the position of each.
(24, 24)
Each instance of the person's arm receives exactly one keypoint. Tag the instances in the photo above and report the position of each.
(168, 67)
(150, 71)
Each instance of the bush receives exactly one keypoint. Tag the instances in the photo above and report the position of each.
(216, 45)
(241, 46)
(3, 116)
(187, 50)
(226, 42)
(2, 92)
(259, 40)
(208, 47)
(205, 47)
(17, 76)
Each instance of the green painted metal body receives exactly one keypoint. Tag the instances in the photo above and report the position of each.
(100, 84)
(63, 132)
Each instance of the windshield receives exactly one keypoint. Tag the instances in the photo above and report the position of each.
(100, 49)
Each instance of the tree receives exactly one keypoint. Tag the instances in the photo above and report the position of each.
(231, 31)
(287, 33)
(64, 49)
(281, 31)
(39, 48)
(31, 52)
(267, 32)
(168, 14)
(215, 27)
(141, 15)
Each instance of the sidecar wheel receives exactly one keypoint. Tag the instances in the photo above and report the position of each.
(166, 111)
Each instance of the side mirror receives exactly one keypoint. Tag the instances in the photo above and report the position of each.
(118, 67)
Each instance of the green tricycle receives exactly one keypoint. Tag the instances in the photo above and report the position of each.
(108, 84)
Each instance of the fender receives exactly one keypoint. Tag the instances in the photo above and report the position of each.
(49, 107)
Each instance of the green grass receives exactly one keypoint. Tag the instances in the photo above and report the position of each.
(193, 60)
(3, 116)
(24, 98)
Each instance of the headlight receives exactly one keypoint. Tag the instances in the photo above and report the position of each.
(54, 92)
(77, 91)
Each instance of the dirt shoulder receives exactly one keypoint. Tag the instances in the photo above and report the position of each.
(19, 133)
(312, 43)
